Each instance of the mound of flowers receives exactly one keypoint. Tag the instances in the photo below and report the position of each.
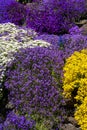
(51, 38)
(15, 121)
(12, 11)
(67, 43)
(54, 16)
(75, 77)
(51, 16)
(81, 114)
(16, 13)
(11, 39)
(75, 84)
(3, 14)
(33, 80)
(32, 84)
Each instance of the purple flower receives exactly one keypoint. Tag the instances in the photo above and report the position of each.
(34, 82)
(15, 122)
(12, 11)
(54, 16)
(3, 13)
(75, 30)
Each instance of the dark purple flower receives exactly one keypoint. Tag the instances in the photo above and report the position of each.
(54, 16)
(12, 11)
(3, 13)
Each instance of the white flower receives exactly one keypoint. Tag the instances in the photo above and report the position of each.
(11, 39)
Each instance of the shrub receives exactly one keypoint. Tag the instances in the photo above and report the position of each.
(54, 17)
(34, 81)
(75, 77)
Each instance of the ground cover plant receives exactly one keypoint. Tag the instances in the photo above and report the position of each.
(12, 11)
(16, 13)
(37, 40)
(54, 17)
(81, 114)
(12, 38)
(75, 78)
(75, 84)
(34, 81)
(3, 14)
(67, 43)
(15, 121)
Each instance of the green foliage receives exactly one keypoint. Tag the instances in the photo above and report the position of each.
(39, 122)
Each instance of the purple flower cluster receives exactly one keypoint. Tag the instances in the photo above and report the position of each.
(34, 82)
(12, 11)
(53, 39)
(44, 18)
(51, 16)
(75, 30)
(68, 43)
(3, 13)
(54, 17)
(16, 13)
(16, 122)
(73, 43)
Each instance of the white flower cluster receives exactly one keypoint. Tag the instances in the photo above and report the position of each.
(14, 33)
(11, 39)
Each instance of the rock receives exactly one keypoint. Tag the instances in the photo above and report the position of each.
(81, 23)
(83, 29)
(9, 106)
(83, 26)
(69, 126)
(72, 121)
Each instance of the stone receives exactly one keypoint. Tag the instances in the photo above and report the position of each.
(69, 126)
(72, 120)
(81, 23)
(83, 29)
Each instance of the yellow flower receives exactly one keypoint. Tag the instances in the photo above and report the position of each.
(81, 115)
(75, 85)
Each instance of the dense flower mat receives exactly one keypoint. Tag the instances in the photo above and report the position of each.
(32, 74)
(11, 39)
(51, 16)
(75, 84)
(43, 57)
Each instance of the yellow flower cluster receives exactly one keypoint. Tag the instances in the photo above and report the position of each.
(75, 84)
(75, 75)
(81, 115)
